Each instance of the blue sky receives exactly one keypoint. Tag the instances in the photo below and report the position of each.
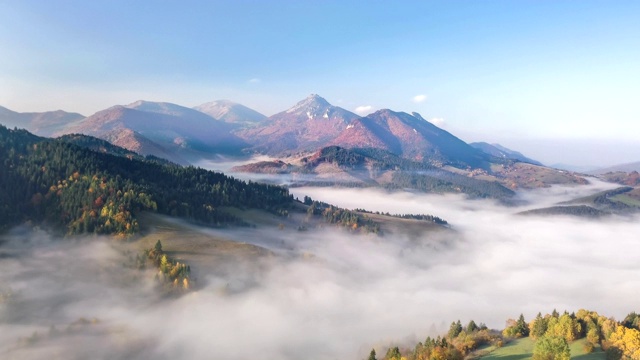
(526, 74)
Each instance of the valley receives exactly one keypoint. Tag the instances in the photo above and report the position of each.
(318, 242)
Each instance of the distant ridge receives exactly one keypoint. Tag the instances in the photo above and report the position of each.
(628, 167)
(154, 128)
(39, 123)
(500, 151)
(231, 112)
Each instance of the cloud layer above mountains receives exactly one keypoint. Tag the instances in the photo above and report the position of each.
(325, 294)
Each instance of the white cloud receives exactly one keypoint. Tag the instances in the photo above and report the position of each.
(419, 98)
(363, 110)
(254, 81)
(439, 122)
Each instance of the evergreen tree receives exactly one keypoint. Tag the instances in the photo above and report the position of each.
(393, 354)
(521, 327)
(455, 329)
(471, 327)
(538, 326)
(372, 355)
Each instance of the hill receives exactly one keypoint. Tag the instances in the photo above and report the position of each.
(105, 147)
(622, 200)
(334, 165)
(622, 178)
(572, 210)
(78, 190)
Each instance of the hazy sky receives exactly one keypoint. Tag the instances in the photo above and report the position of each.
(526, 74)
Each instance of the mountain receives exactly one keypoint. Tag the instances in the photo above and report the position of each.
(40, 123)
(153, 128)
(500, 151)
(411, 137)
(231, 112)
(310, 124)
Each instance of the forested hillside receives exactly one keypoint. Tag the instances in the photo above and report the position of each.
(82, 191)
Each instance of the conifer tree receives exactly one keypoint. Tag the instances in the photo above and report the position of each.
(372, 355)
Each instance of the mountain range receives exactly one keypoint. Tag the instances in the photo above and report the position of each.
(161, 129)
(183, 135)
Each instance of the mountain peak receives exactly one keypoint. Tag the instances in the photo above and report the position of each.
(311, 102)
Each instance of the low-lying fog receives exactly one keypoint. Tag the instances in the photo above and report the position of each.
(356, 293)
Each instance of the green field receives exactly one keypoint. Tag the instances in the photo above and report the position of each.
(522, 349)
(625, 199)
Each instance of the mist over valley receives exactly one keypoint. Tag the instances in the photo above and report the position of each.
(323, 291)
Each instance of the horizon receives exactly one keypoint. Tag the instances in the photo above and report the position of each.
(530, 76)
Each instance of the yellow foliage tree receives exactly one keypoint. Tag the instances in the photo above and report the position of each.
(628, 341)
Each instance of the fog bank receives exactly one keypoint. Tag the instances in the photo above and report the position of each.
(326, 294)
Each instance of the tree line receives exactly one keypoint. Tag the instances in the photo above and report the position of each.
(552, 333)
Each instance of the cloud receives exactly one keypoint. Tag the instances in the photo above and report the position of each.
(254, 81)
(352, 294)
(363, 110)
(439, 122)
(419, 98)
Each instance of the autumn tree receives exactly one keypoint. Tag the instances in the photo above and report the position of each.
(551, 348)
(627, 341)
(516, 328)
